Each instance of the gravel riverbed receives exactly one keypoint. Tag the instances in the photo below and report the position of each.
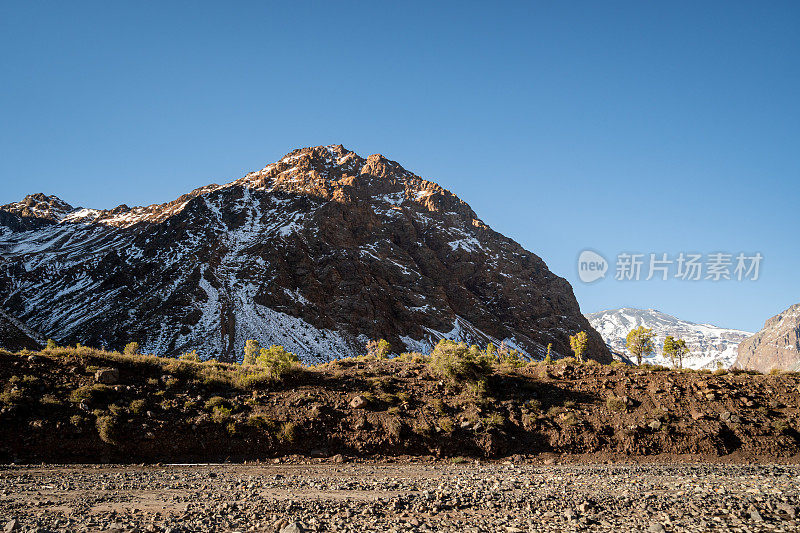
(433, 497)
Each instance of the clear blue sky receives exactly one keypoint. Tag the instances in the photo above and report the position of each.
(638, 126)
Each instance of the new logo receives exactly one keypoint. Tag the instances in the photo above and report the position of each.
(591, 266)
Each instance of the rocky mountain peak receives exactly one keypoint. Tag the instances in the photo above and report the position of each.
(39, 205)
(319, 252)
(776, 346)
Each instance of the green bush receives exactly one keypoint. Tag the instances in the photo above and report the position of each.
(404, 397)
(534, 405)
(548, 359)
(439, 406)
(615, 404)
(191, 357)
(458, 362)
(569, 419)
(220, 414)
(277, 360)
(90, 393)
(107, 428)
(49, 399)
(215, 401)
(132, 348)
(287, 432)
(252, 349)
(261, 422)
(446, 424)
(493, 420)
(251, 380)
(12, 397)
(137, 406)
(378, 349)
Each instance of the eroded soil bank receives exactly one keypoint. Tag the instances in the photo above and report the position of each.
(87, 406)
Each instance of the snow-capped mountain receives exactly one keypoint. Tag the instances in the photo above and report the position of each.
(708, 345)
(319, 252)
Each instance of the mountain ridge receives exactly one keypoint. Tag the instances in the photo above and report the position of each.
(319, 251)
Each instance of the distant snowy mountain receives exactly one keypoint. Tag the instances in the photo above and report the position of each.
(708, 344)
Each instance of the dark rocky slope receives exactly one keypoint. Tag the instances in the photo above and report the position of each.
(15, 336)
(319, 252)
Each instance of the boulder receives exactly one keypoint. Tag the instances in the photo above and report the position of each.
(358, 402)
(107, 376)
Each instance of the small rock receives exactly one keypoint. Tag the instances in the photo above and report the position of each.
(655, 527)
(11, 525)
(358, 402)
(755, 516)
(788, 509)
(107, 376)
(585, 507)
(655, 425)
(725, 416)
(292, 527)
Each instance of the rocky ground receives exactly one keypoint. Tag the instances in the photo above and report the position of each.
(409, 495)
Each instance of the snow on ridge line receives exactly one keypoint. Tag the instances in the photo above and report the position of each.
(710, 345)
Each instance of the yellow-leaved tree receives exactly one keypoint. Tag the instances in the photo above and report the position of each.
(640, 343)
(579, 342)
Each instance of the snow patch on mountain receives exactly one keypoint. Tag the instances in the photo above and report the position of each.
(709, 345)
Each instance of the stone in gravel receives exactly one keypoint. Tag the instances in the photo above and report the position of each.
(11, 525)
(292, 527)
(788, 509)
(358, 402)
(107, 376)
(655, 527)
(655, 425)
(755, 516)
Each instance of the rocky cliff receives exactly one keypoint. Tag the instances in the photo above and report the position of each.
(776, 346)
(319, 252)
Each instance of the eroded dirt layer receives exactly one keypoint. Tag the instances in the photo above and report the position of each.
(100, 407)
(409, 496)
